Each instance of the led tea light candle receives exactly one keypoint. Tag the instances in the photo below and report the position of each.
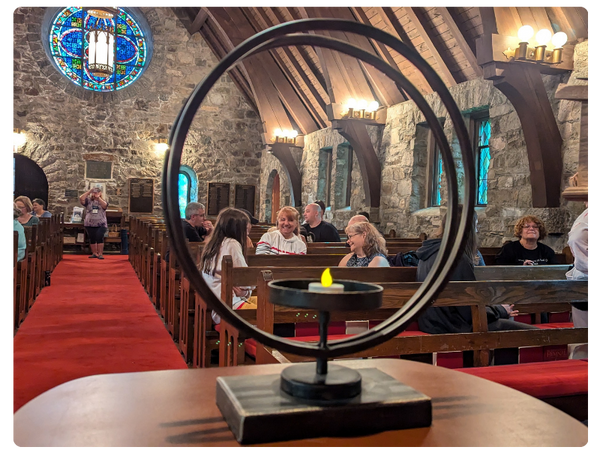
(326, 286)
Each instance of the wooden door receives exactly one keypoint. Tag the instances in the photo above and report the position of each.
(275, 198)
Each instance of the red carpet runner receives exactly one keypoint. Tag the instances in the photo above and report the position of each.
(95, 318)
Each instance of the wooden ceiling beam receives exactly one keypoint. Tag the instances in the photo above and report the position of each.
(523, 86)
(346, 74)
(386, 90)
(395, 29)
(488, 20)
(238, 28)
(304, 51)
(460, 40)
(417, 19)
(508, 20)
(199, 21)
(319, 110)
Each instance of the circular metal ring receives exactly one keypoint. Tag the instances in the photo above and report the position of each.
(448, 254)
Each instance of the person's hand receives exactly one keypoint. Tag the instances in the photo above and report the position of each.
(208, 226)
(574, 180)
(528, 262)
(511, 312)
(241, 292)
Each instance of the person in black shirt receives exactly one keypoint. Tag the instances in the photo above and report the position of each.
(316, 229)
(527, 251)
(195, 225)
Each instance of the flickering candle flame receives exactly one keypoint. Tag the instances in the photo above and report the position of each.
(326, 286)
(326, 278)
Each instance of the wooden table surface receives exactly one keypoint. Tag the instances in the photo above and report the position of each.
(177, 408)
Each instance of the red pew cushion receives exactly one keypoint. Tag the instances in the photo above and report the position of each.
(541, 379)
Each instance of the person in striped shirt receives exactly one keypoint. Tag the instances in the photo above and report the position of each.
(284, 240)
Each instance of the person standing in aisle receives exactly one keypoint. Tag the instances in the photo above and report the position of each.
(95, 222)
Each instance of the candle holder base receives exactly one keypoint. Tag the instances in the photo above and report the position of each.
(303, 381)
(258, 411)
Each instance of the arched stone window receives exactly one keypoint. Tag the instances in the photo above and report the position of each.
(188, 188)
(66, 37)
(324, 180)
(343, 175)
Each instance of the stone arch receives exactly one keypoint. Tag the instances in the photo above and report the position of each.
(29, 179)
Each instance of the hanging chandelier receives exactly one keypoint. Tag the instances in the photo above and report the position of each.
(101, 50)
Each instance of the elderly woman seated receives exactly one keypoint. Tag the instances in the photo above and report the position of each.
(367, 247)
(527, 251)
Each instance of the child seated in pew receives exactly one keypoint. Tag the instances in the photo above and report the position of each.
(367, 247)
(228, 238)
(284, 240)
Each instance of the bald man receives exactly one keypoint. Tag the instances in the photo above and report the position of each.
(356, 219)
(316, 229)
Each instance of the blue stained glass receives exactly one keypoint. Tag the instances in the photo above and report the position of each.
(438, 182)
(484, 165)
(67, 45)
(184, 193)
(484, 157)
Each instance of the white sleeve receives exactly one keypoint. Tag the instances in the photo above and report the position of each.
(234, 248)
(264, 245)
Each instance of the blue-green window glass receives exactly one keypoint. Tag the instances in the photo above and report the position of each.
(483, 159)
(69, 48)
(438, 170)
(184, 192)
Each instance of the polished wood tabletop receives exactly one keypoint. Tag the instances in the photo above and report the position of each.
(177, 408)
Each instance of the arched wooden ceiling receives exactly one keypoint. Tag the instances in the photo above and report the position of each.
(303, 88)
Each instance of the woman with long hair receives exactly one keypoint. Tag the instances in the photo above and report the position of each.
(228, 238)
(367, 247)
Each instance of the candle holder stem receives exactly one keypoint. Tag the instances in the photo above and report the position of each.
(323, 325)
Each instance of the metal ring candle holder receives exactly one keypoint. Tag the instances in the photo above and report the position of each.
(449, 251)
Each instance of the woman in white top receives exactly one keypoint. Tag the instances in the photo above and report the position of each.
(228, 238)
(284, 240)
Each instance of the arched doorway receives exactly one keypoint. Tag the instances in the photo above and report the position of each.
(29, 179)
(275, 198)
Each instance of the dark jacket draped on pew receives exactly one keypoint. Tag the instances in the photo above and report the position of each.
(450, 319)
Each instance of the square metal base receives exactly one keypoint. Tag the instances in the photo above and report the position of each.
(257, 411)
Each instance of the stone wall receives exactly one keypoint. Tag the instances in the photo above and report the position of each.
(402, 151)
(64, 122)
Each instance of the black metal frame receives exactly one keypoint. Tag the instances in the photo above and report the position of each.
(449, 253)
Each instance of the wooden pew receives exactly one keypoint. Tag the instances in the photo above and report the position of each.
(229, 336)
(489, 255)
(174, 293)
(540, 294)
(14, 249)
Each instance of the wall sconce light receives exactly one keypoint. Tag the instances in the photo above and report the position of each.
(19, 139)
(160, 147)
(538, 54)
(361, 109)
(285, 136)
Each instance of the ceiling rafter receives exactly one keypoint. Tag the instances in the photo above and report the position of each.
(304, 51)
(394, 27)
(386, 89)
(460, 40)
(417, 19)
(318, 109)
